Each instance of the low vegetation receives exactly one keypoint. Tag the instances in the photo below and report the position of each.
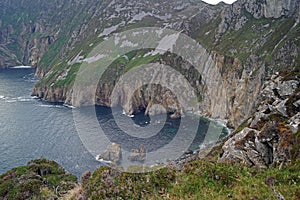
(197, 180)
(39, 179)
(201, 179)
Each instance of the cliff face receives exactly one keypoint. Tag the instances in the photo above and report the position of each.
(35, 34)
(246, 42)
(24, 37)
(231, 94)
(234, 90)
(268, 9)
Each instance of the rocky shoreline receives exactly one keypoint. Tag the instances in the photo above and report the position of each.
(262, 140)
(260, 159)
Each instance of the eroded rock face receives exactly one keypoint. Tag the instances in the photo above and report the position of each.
(225, 90)
(263, 9)
(227, 87)
(268, 140)
(30, 41)
(278, 8)
(259, 148)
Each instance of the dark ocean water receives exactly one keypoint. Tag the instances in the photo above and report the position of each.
(31, 128)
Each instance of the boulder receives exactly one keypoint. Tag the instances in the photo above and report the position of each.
(112, 154)
(263, 148)
(138, 154)
(294, 123)
(242, 149)
(287, 88)
(281, 108)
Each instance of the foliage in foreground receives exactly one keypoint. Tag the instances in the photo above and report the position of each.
(201, 179)
(197, 180)
(40, 179)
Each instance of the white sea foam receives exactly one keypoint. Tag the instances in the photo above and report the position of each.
(21, 67)
(10, 101)
(16, 99)
(52, 106)
(69, 106)
(124, 113)
(25, 99)
(101, 160)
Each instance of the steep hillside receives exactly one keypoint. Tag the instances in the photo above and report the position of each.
(245, 42)
(35, 34)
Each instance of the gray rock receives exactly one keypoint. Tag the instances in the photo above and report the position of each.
(281, 108)
(294, 123)
(235, 148)
(257, 117)
(259, 148)
(265, 151)
(138, 154)
(112, 154)
(287, 88)
(242, 21)
(297, 103)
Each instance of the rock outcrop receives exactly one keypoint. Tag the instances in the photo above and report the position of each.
(269, 136)
(112, 154)
(138, 154)
(234, 14)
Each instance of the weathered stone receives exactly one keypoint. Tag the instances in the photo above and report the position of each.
(235, 150)
(252, 147)
(294, 123)
(287, 88)
(138, 154)
(281, 108)
(257, 117)
(112, 154)
(297, 103)
(268, 140)
(265, 151)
